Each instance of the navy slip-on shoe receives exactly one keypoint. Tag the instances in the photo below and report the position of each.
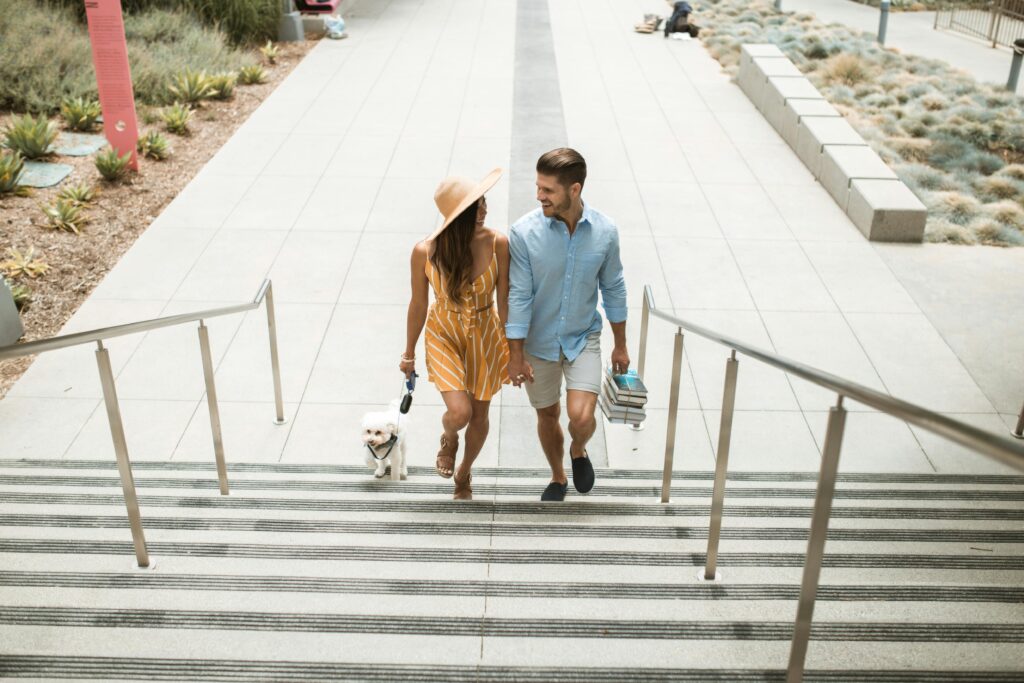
(582, 474)
(555, 492)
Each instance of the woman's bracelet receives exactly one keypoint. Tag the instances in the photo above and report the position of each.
(406, 359)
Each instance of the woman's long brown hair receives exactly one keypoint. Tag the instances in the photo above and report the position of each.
(453, 252)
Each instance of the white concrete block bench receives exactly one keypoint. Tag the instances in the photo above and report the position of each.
(11, 329)
(877, 202)
(886, 211)
(814, 132)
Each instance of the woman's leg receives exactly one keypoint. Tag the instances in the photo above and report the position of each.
(476, 435)
(456, 417)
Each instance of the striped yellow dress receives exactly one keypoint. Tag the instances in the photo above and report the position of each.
(466, 346)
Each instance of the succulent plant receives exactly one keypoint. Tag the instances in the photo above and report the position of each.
(11, 168)
(113, 167)
(223, 85)
(65, 215)
(190, 87)
(176, 118)
(80, 113)
(23, 264)
(252, 75)
(82, 193)
(270, 52)
(21, 294)
(33, 137)
(154, 146)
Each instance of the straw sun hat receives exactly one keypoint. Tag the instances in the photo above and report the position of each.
(455, 194)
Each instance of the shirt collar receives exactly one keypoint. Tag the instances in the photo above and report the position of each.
(586, 217)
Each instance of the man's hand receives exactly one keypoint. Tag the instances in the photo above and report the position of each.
(620, 360)
(519, 371)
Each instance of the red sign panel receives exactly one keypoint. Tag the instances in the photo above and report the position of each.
(113, 76)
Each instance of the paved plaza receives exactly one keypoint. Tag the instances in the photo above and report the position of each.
(327, 187)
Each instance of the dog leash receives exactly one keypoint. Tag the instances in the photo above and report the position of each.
(407, 387)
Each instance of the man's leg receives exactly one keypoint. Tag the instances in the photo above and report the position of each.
(552, 441)
(582, 424)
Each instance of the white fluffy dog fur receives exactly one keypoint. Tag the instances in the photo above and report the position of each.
(378, 428)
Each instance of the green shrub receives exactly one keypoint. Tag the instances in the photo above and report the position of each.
(82, 193)
(176, 118)
(190, 87)
(65, 215)
(154, 146)
(112, 167)
(33, 137)
(846, 69)
(12, 165)
(80, 113)
(251, 75)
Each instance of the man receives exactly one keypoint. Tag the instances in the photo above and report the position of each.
(561, 255)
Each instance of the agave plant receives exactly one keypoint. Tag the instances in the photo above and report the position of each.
(19, 264)
(65, 215)
(11, 168)
(176, 118)
(190, 87)
(113, 167)
(154, 145)
(223, 85)
(33, 137)
(82, 193)
(80, 113)
(251, 75)
(21, 293)
(270, 52)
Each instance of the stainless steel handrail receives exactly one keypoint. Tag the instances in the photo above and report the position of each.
(988, 444)
(99, 335)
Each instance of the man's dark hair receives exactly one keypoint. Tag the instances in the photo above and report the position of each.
(565, 164)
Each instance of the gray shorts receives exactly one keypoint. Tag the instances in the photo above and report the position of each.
(582, 374)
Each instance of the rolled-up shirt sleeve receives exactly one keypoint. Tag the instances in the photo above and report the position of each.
(520, 291)
(613, 283)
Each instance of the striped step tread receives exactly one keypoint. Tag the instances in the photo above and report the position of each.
(518, 589)
(498, 627)
(432, 528)
(371, 485)
(507, 556)
(232, 671)
(567, 509)
(509, 472)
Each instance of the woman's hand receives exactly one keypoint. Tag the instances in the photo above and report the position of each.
(407, 366)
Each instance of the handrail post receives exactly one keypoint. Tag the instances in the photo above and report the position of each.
(275, 363)
(816, 541)
(211, 403)
(673, 413)
(1019, 431)
(721, 467)
(641, 364)
(124, 466)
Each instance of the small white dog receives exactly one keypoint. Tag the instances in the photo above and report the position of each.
(384, 442)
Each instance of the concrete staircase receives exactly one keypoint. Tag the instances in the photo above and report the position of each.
(314, 572)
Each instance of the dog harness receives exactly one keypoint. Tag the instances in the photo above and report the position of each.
(390, 443)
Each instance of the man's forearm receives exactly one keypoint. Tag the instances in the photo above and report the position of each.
(619, 333)
(515, 349)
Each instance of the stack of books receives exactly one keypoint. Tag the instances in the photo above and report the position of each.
(623, 398)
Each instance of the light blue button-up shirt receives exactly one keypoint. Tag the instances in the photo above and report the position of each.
(554, 280)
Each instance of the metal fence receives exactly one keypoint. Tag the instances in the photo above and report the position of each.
(999, 22)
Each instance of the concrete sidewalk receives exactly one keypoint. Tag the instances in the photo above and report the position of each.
(329, 184)
(914, 33)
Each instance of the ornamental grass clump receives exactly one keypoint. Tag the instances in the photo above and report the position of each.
(956, 143)
(32, 136)
(252, 75)
(82, 193)
(112, 166)
(80, 113)
(223, 85)
(270, 52)
(190, 87)
(65, 215)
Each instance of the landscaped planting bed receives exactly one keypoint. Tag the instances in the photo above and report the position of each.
(193, 89)
(958, 144)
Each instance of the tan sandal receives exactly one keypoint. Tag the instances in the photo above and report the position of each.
(463, 490)
(445, 463)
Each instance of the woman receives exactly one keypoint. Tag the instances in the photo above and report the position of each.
(464, 263)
